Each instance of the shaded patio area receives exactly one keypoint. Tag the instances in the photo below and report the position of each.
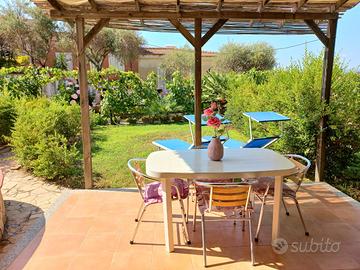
(92, 229)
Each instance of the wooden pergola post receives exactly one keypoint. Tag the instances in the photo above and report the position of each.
(197, 41)
(84, 102)
(325, 97)
(198, 92)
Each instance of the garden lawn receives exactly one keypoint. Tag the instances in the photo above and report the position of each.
(113, 146)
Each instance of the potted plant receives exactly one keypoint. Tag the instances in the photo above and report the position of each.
(215, 148)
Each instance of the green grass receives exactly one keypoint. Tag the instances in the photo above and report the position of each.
(113, 146)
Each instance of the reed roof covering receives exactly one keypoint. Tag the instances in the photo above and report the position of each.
(243, 16)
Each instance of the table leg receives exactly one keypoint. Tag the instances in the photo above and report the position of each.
(167, 210)
(278, 186)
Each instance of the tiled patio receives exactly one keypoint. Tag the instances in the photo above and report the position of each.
(92, 229)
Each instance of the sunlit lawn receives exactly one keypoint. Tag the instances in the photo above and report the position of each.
(115, 145)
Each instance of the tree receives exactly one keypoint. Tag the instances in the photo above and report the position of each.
(242, 57)
(181, 60)
(125, 45)
(27, 30)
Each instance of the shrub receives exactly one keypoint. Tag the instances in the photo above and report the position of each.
(214, 88)
(295, 92)
(21, 82)
(180, 94)
(46, 136)
(123, 94)
(7, 117)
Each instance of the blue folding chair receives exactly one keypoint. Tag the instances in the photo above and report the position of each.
(172, 144)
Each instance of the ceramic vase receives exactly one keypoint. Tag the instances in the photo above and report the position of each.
(215, 149)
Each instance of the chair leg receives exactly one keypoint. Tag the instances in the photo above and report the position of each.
(187, 239)
(203, 238)
(251, 243)
(194, 218)
(301, 217)
(260, 219)
(286, 210)
(187, 208)
(138, 224)
(139, 212)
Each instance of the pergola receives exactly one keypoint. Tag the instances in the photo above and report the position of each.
(203, 19)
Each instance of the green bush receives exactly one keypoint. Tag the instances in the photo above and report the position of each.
(295, 92)
(45, 138)
(7, 117)
(123, 94)
(180, 95)
(21, 82)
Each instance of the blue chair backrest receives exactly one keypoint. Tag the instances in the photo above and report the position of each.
(261, 142)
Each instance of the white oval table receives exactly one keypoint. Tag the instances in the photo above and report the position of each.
(195, 164)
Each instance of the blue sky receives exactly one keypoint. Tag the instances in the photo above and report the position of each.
(347, 42)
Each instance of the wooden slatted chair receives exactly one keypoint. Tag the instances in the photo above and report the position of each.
(228, 200)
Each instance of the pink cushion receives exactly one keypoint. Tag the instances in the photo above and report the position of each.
(153, 191)
(262, 183)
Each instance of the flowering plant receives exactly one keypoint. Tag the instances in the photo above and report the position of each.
(210, 116)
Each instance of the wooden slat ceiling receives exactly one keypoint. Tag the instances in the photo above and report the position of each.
(244, 16)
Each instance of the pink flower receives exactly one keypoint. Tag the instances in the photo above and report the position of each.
(214, 122)
(213, 105)
(78, 92)
(74, 96)
(208, 112)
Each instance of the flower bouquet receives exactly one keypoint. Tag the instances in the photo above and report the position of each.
(215, 148)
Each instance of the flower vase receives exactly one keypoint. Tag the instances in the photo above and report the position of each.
(215, 149)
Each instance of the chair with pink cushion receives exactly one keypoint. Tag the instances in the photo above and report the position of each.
(264, 187)
(151, 193)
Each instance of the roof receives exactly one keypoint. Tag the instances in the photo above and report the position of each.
(244, 16)
(168, 49)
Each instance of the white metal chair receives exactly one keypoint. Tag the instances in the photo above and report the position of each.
(151, 193)
(264, 187)
(228, 200)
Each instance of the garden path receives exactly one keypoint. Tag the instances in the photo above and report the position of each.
(27, 200)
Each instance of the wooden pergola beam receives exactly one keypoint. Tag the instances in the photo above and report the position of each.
(183, 31)
(178, 8)
(213, 31)
(300, 4)
(84, 102)
(95, 30)
(262, 5)
(219, 5)
(318, 32)
(340, 3)
(192, 15)
(55, 4)
(93, 5)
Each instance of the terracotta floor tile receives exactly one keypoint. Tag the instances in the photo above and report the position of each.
(46, 263)
(100, 260)
(92, 230)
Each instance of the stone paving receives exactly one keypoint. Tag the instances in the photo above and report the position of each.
(27, 200)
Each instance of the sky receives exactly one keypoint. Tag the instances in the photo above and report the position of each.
(347, 42)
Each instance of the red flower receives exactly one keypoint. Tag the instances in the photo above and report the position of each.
(213, 105)
(208, 112)
(214, 122)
